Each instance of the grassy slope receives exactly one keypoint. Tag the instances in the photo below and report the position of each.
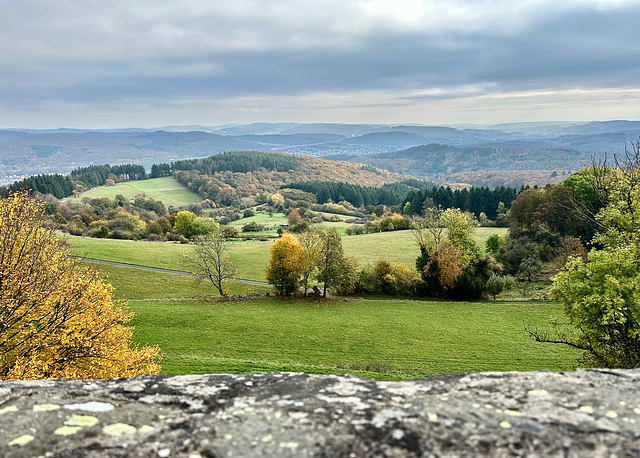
(252, 257)
(166, 189)
(405, 338)
(394, 338)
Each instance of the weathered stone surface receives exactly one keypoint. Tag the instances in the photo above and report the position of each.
(535, 414)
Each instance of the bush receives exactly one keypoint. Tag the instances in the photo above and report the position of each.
(252, 227)
(495, 285)
(230, 232)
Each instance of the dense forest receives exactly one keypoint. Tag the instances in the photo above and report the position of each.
(97, 175)
(237, 161)
(268, 172)
(360, 196)
(475, 200)
(57, 185)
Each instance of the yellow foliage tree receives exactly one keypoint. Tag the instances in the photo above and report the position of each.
(285, 264)
(57, 318)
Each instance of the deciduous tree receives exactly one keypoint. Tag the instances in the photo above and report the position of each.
(57, 318)
(285, 264)
(311, 244)
(210, 260)
(601, 296)
(333, 261)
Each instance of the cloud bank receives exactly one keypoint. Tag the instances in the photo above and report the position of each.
(106, 64)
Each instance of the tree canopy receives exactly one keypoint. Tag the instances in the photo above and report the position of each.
(57, 318)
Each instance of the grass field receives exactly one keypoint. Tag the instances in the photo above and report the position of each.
(276, 219)
(251, 257)
(390, 337)
(377, 337)
(167, 189)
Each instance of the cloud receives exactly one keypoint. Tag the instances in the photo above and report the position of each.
(121, 53)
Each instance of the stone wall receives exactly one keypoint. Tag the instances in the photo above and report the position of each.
(583, 413)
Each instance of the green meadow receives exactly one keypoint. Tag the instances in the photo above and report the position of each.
(381, 337)
(251, 257)
(166, 189)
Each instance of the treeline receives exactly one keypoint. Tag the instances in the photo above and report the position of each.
(82, 178)
(474, 200)
(233, 161)
(97, 175)
(359, 196)
(57, 185)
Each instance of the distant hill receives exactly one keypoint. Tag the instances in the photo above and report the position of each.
(447, 163)
(509, 146)
(61, 152)
(347, 130)
(292, 139)
(239, 174)
(399, 139)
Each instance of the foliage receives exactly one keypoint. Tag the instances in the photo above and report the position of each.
(210, 260)
(226, 185)
(495, 285)
(238, 161)
(57, 320)
(601, 298)
(285, 264)
(530, 266)
(475, 200)
(252, 227)
(494, 242)
(449, 261)
(97, 175)
(311, 243)
(184, 223)
(333, 263)
(601, 295)
(390, 279)
(56, 185)
(358, 195)
(160, 170)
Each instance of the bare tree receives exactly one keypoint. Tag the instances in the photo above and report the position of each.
(209, 260)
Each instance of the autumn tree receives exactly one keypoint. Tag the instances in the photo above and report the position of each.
(333, 263)
(311, 244)
(447, 248)
(210, 260)
(285, 264)
(57, 318)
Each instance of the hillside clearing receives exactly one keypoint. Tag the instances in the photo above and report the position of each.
(168, 190)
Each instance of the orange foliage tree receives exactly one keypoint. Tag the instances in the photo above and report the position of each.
(57, 318)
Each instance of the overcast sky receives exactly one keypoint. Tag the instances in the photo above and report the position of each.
(120, 63)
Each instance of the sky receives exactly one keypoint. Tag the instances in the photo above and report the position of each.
(150, 63)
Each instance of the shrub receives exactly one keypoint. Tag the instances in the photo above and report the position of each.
(495, 285)
(252, 227)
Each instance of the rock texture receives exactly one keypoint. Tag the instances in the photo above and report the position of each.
(583, 413)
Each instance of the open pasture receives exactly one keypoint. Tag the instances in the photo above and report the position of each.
(251, 257)
(166, 189)
(389, 338)
(384, 338)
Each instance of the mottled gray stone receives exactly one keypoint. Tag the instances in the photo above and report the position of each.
(534, 414)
